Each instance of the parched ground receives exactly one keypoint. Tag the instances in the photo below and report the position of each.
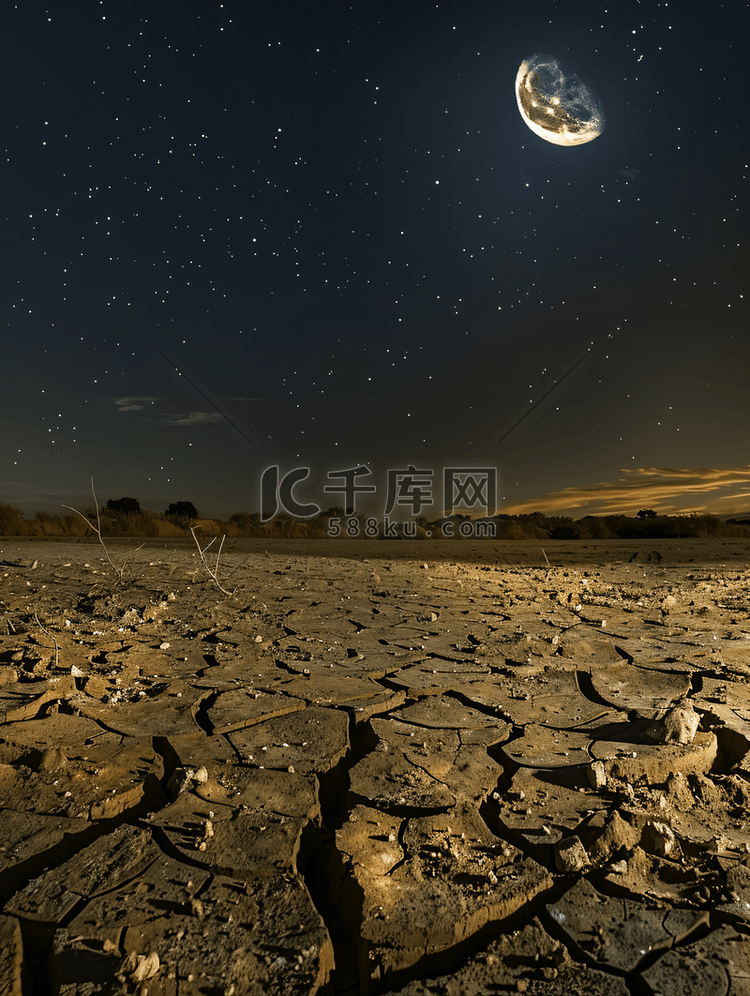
(375, 767)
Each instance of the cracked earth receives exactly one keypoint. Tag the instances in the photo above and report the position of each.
(423, 768)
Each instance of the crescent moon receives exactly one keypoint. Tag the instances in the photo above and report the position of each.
(560, 111)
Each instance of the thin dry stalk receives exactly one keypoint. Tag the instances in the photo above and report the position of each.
(212, 573)
(57, 648)
(119, 571)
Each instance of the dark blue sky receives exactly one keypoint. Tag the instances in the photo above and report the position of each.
(246, 234)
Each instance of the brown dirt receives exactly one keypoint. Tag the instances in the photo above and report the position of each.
(375, 767)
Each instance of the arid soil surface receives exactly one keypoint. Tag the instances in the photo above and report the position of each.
(375, 767)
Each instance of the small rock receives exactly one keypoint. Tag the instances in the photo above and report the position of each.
(570, 855)
(596, 775)
(659, 839)
(53, 759)
(681, 724)
(145, 967)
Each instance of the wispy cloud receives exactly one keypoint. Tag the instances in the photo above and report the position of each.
(664, 489)
(192, 418)
(133, 404)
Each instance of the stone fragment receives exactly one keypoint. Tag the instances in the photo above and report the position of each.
(597, 775)
(659, 839)
(53, 759)
(610, 835)
(141, 967)
(570, 855)
(679, 725)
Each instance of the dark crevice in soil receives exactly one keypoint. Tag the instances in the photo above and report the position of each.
(170, 759)
(449, 960)
(318, 852)
(17, 876)
(586, 688)
(201, 712)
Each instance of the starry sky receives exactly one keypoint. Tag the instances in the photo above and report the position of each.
(321, 235)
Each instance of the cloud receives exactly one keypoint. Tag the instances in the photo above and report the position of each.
(661, 488)
(192, 418)
(133, 404)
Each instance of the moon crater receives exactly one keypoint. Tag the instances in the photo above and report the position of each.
(558, 108)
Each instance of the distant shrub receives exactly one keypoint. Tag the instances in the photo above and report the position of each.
(44, 524)
(141, 523)
(244, 524)
(12, 522)
(74, 525)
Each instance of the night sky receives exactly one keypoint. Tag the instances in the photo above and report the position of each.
(246, 234)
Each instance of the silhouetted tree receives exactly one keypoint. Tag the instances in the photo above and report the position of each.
(123, 505)
(182, 510)
(647, 513)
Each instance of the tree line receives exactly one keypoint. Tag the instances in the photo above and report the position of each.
(125, 517)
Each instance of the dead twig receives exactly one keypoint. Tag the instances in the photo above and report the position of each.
(57, 648)
(119, 571)
(212, 573)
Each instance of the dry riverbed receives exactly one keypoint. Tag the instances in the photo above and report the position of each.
(375, 767)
